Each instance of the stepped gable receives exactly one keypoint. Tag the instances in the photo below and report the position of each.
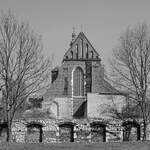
(81, 50)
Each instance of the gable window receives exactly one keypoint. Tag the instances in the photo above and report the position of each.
(77, 51)
(92, 54)
(87, 49)
(81, 48)
(71, 54)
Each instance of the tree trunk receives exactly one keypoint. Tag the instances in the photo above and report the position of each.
(8, 139)
(144, 130)
(8, 132)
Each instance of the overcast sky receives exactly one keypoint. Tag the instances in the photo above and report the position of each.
(102, 21)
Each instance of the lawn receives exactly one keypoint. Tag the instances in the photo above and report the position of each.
(76, 146)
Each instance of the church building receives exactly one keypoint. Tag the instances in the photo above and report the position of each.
(73, 109)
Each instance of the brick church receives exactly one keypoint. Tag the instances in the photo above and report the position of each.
(72, 109)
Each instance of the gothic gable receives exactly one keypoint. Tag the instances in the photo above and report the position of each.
(81, 49)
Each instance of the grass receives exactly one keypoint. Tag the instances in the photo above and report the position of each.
(76, 146)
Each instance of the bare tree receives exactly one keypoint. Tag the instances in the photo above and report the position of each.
(131, 69)
(23, 69)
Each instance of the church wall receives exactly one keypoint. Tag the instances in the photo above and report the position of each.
(72, 65)
(97, 77)
(65, 70)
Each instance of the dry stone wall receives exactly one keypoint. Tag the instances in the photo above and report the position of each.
(82, 131)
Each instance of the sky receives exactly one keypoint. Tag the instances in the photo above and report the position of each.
(102, 21)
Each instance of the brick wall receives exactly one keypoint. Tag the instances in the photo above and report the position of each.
(56, 90)
(65, 70)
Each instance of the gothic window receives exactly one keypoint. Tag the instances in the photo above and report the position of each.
(87, 49)
(66, 86)
(82, 48)
(78, 82)
(54, 74)
(71, 54)
(92, 54)
(77, 51)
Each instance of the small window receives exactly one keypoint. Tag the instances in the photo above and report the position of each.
(81, 48)
(71, 54)
(65, 86)
(87, 49)
(92, 54)
(77, 51)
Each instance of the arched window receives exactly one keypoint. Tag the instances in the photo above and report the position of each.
(82, 48)
(71, 54)
(78, 82)
(54, 109)
(65, 92)
(92, 54)
(77, 51)
(87, 50)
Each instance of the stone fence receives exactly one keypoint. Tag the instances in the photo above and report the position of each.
(53, 131)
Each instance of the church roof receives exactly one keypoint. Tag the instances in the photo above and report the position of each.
(81, 49)
(107, 88)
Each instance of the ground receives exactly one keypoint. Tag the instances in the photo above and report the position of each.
(78, 146)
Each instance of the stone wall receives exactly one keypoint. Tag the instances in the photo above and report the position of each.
(81, 130)
(52, 132)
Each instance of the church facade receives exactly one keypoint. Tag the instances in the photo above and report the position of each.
(73, 109)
